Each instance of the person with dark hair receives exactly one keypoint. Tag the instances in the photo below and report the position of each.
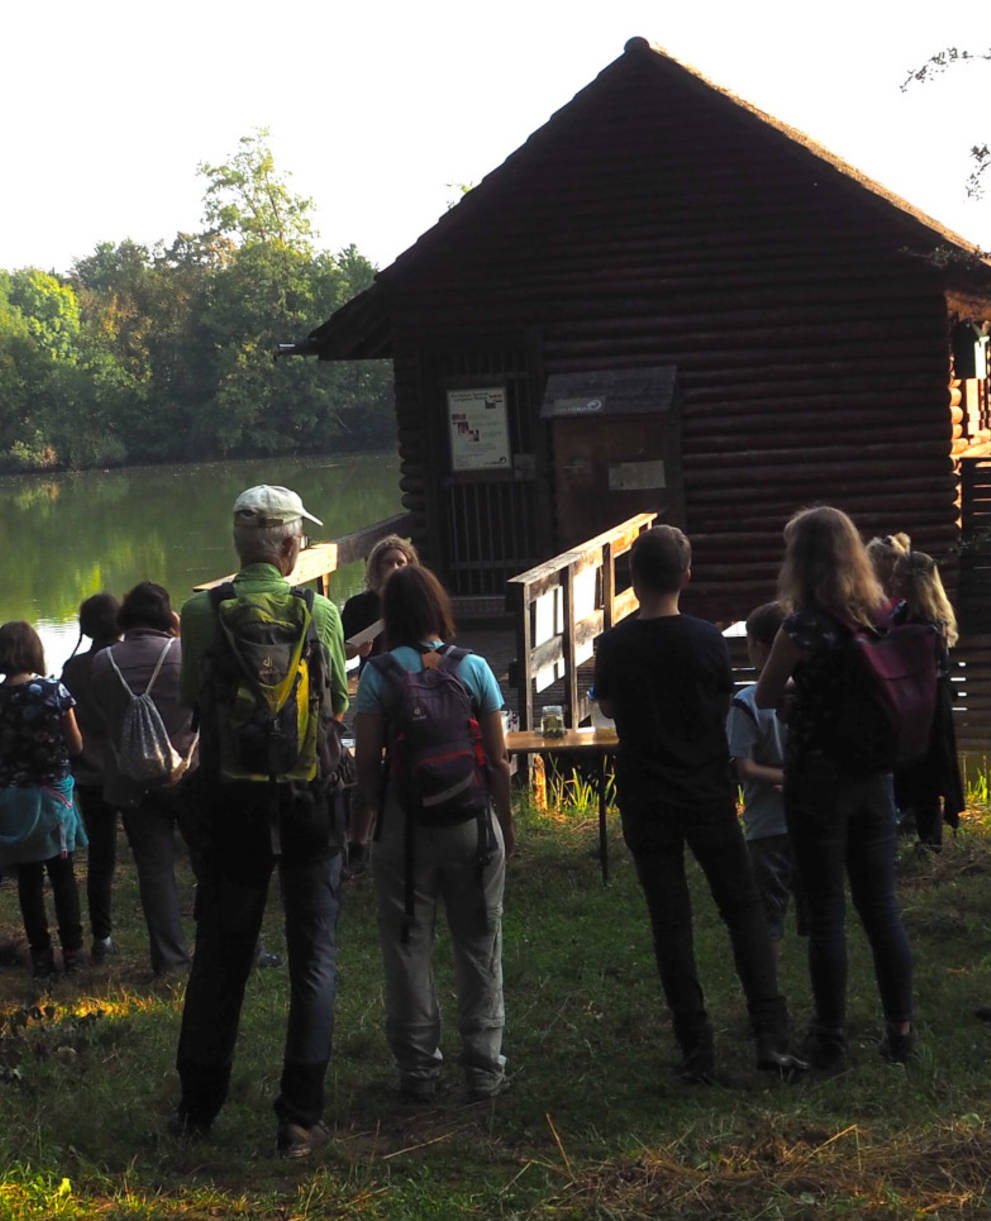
(148, 658)
(98, 621)
(665, 678)
(39, 822)
(250, 826)
(364, 609)
(756, 744)
(838, 808)
(418, 862)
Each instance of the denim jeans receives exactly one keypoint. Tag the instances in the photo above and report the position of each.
(236, 863)
(843, 828)
(656, 833)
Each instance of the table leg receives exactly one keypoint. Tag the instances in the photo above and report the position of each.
(603, 841)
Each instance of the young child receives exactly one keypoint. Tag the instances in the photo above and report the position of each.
(39, 823)
(930, 792)
(665, 678)
(756, 743)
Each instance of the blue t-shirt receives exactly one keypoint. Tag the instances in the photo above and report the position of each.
(474, 672)
(757, 734)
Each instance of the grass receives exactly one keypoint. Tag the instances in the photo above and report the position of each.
(594, 1126)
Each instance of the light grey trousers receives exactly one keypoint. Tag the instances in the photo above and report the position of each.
(445, 870)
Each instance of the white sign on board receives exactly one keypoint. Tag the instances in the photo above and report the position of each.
(479, 433)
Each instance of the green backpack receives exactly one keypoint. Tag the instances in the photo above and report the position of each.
(265, 703)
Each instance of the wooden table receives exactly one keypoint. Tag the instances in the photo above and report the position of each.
(598, 742)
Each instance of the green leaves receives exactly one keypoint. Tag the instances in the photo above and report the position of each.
(166, 353)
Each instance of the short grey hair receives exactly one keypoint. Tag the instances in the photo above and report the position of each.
(263, 544)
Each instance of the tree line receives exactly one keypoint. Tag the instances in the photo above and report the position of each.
(165, 354)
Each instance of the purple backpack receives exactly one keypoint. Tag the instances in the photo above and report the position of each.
(435, 744)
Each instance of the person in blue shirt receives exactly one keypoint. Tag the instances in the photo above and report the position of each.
(756, 743)
(460, 864)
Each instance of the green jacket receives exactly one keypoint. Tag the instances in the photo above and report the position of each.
(198, 624)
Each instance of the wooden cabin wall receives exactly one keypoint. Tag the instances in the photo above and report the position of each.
(653, 224)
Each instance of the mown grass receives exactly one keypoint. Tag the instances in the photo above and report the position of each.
(594, 1125)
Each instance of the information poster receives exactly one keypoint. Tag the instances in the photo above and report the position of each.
(479, 433)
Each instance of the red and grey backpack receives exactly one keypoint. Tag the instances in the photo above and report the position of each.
(435, 757)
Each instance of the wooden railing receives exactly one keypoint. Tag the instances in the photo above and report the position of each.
(316, 563)
(560, 608)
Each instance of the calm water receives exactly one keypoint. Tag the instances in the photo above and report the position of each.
(68, 536)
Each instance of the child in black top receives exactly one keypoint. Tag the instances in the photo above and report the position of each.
(665, 678)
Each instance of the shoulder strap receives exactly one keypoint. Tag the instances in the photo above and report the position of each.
(737, 702)
(222, 593)
(113, 662)
(388, 667)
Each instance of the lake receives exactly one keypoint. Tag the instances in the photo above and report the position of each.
(70, 535)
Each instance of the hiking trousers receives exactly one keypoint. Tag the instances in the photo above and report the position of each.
(151, 832)
(446, 870)
(234, 851)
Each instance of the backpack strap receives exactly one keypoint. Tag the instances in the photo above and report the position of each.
(154, 674)
(737, 702)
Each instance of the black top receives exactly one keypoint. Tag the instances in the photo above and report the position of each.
(669, 683)
(360, 612)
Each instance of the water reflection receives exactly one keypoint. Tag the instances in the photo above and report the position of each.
(71, 535)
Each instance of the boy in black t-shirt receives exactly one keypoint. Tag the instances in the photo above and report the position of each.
(665, 678)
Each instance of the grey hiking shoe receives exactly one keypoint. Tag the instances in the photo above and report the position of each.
(296, 1141)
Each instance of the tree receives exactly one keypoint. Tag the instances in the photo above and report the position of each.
(934, 66)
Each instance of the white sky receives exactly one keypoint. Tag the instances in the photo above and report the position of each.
(375, 107)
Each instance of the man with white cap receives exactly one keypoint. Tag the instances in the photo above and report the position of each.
(247, 828)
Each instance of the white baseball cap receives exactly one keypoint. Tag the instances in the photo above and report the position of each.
(266, 505)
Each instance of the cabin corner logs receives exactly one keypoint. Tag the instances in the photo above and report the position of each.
(668, 302)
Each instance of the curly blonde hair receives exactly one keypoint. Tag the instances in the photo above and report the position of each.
(827, 565)
(391, 542)
(917, 580)
(884, 554)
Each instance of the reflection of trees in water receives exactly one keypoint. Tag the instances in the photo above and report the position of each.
(73, 535)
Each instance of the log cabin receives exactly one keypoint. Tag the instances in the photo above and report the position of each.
(668, 301)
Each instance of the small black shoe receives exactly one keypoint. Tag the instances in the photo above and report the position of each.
(296, 1141)
(43, 965)
(697, 1065)
(189, 1127)
(897, 1048)
(267, 960)
(825, 1049)
(103, 948)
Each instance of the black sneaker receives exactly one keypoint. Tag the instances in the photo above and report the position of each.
(296, 1141)
(897, 1048)
(43, 965)
(825, 1049)
(74, 961)
(418, 1089)
(103, 948)
(697, 1065)
(188, 1127)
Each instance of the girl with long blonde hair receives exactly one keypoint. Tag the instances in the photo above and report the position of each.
(838, 806)
(929, 792)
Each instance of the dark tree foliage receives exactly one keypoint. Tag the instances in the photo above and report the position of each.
(165, 354)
